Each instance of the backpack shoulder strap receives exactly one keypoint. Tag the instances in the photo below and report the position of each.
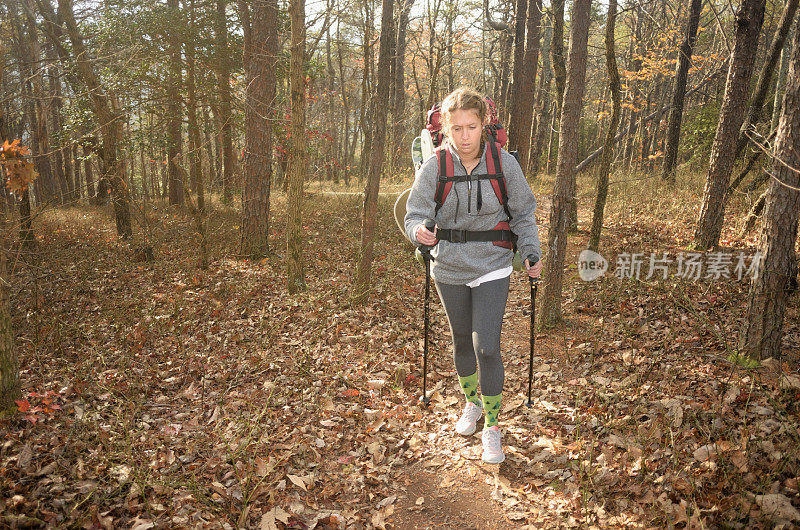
(494, 166)
(445, 181)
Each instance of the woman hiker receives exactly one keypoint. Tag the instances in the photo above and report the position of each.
(472, 256)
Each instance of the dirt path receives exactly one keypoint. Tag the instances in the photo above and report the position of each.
(454, 495)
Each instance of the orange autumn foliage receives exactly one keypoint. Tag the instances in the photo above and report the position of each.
(19, 171)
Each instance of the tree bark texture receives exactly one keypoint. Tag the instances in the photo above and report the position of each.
(399, 91)
(540, 134)
(46, 185)
(679, 91)
(369, 213)
(783, 71)
(517, 75)
(766, 302)
(297, 150)
(224, 88)
(557, 53)
(734, 104)
(195, 145)
(567, 155)
(174, 114)
(9, 361)
(608, 153)
(765, 75)
(260, 95)
(525, 92)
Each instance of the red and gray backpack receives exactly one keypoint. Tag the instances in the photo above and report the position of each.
(497, 138)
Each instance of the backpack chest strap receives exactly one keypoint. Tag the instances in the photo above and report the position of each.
(494, 174)
(473, 177)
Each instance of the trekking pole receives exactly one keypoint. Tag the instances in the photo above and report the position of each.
(426, 253)
(534, 286)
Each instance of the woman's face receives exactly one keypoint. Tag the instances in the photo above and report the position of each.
(465, 133)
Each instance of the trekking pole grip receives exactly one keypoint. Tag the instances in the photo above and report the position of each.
(426, 249)
(531, 263)
(430, 225)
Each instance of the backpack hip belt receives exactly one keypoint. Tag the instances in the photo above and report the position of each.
(468, 236)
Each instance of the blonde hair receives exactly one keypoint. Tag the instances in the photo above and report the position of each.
(463, 98)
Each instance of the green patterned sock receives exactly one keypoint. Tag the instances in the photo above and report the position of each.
(491, 408)
(469, 385)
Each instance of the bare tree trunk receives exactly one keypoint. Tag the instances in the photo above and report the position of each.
(734, 104)
(399, 90)
(551, 134)
(608, 153)
(525, 92)
(63, 165)
(9, 361)
(755, 212)
(765, 76)
(143, 162)
(518, 75)
(434, 59)
(506, 53)
(76, 167)
(347, 153)
(361, 284)
(39, 109)
(261, 51)
(659, 129)
(107, 116)
(174, 111)
(766, 303)
(332, 141)
(366, 103)
(208, 141)
(567, 155)
(91, 194)
(540, 135)
(783, 70)
(224, 90)
(297, 151)
(195, 178)
(679, 92)
(3, 119)
(635, 65)
(557, 53)
(449, 18)
(164, 176)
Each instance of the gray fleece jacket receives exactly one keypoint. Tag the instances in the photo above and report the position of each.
(461, 263)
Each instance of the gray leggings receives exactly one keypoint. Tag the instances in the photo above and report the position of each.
(475, 315)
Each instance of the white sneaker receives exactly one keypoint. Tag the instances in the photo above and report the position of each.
(466, 423)
(492, 451)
